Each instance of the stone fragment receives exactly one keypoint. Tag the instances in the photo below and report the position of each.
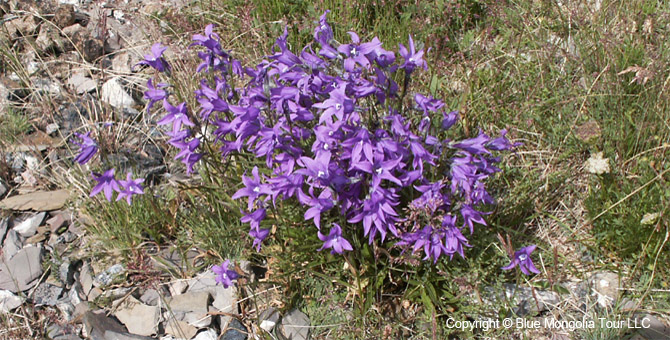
(179, 329)
(208, 334)
(64, 16)
(29, 226)
(92, 49)
(268, 319)
(605, 287)
(189, 302)
(9, 301)
(139, 318)
(96, 324)
(178, 287)
(39, 236)
(652, 328)
(121, 63)
(294, 326)
(151, 297)
(81, 83)
(235, 331)
(111, 335)
(3, 187)
(12, 245)
(19, 273)
(106, 277)
(113, 93)
(4, 226)
(38, 201)
(48, 41)
(47, 294)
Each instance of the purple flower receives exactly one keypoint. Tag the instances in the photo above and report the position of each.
(254, 219)
(176, 115)
(130, 188)
(224, 275)
(355, 52)
(154, 94)
(106, 183)
(323, 32)
(155, 59)
(522, 259)
(413, 59)
(335, 241)
(87, 148)
(259, 236)
(253, 188)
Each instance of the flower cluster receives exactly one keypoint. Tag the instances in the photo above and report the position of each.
(108, 184)
(338, 136)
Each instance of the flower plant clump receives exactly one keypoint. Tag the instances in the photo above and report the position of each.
(338, 135)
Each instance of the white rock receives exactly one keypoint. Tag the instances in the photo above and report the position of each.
(209, 334)
(28, 227)
(52, 128)
(81, 83)
(139, 318)
(598, 165)
(115, 95)
(9, 301)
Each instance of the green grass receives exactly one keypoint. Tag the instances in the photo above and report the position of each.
(542, 70)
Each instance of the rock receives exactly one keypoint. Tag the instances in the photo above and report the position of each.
(605, 287)
(235, 330)
(50, 130)
(55, 222)
(106, 277)
(179, 329)
(190, 302)
(81, 83)
(9, 301)
(19, 273)
(268, 319)
(294, 326)
(28, 227)
(92, 49)
(151, 297)
(208, 334)
(49, 41)
(3, 187)
(111, 335)
(114, 94)
(64, 16)
(178, 287)
(4, 226)
(96, 324)
(121, 63)
(653, 328)
(12, 245)
(139, 318)
(47, 294)
(39, 236)
(76, 36)
(38, 201)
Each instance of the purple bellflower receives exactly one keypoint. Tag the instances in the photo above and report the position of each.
(87, 148)
(522, 259)
(131, 188)
(155, 59)
(224, 275)
(106, 183)
(413, 59)
(335, 240)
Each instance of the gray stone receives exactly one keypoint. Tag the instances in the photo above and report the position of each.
(653, 328)
(29, 226)
(3, 187)
(179, 329)
(19, 273)
(225, 299)
(81, 83)
(51, 128)
(38, 201)
(47, 294)
(234, 331)
(106, 277)
(111, 335)
(190, 302)
(178, 287)
(64, 16)
(139, 318)
(121, 63)
(9, 301)
(605, 287)
(294, 326)
(114, 94)
(96, 324)
(526, 300)
(151, 297)
(4, 226)
(85, 279)
(268, 319)
(12, 245)
(208, 334)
